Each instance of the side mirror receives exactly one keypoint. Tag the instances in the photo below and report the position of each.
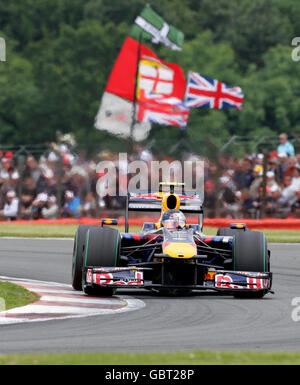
(111, 222)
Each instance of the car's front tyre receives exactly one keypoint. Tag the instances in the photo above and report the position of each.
(79, 242)
(102, 248)
(250, 253)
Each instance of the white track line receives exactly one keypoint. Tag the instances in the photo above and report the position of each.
(77, 300)
(65, 304)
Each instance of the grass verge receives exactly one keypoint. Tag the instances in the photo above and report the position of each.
(15, 296)
(68, 231)
(180, 358)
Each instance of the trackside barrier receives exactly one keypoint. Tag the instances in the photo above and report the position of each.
(267, 223)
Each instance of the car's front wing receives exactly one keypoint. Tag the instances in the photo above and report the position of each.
(218, 280)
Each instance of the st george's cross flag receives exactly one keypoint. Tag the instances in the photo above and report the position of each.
(154, 74)
(204, 92)
(117, 113)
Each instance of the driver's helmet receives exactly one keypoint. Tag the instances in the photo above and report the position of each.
(173, 219)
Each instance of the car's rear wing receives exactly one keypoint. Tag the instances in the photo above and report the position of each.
(190, 202)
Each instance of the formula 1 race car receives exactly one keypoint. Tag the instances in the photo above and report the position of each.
(170, 256)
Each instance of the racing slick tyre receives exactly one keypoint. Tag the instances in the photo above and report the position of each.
(228, 232)
(102, 248)
(78, 248)
(250, 253)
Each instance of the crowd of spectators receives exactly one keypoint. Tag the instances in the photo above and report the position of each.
(241, 190)
(55, 185)
(61, 184)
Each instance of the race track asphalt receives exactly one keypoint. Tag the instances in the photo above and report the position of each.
(203, 321)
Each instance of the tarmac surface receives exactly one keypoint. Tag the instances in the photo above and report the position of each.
(202, 321)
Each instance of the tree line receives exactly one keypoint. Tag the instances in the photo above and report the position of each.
(60, 54)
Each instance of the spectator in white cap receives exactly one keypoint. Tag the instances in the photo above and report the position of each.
(38, 204)
(72, 206)
(50, 211)
(271, 182)
(11, 206)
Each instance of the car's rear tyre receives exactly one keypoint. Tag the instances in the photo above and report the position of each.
(250, 253)
(79, 242)
(228, 232)
(102, 248)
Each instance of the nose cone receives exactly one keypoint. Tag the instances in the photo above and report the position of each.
(180, 250)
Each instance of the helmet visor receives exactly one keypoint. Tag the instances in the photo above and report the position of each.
(174, 223)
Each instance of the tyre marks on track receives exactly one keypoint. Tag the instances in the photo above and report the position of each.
(60, 301)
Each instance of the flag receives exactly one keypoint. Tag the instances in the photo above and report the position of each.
(205, 92)
(154, 75)
(149, 25)
(115, 116)
(161, 110)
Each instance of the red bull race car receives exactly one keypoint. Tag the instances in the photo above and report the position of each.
(170, 256)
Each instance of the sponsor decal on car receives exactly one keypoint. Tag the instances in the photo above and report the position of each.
(225, 281)
(103, 279)
(131, 278)
(89, 276)
(257, 283)
(247, 283)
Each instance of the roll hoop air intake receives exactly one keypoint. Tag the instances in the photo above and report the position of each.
(170, 202)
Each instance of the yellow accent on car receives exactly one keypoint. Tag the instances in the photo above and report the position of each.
(180, 250)
(237, 225)
(107, 221)
(170, 202)
(210, 276)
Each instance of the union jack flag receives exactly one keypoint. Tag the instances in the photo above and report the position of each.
(205, 92)
(158, 109)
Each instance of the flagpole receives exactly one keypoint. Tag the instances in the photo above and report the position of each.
(183, 131)
(133, 120)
